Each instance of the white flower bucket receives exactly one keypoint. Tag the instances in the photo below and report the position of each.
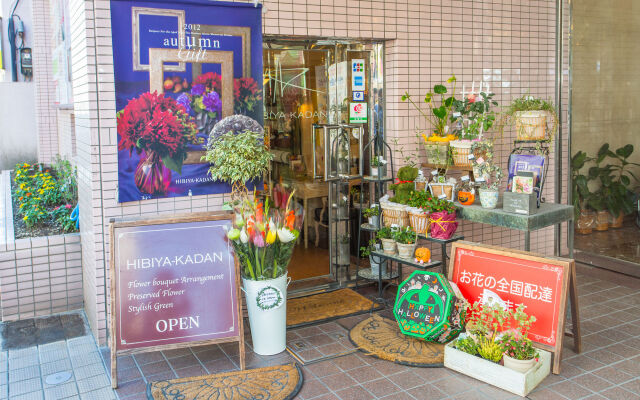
(267, 308)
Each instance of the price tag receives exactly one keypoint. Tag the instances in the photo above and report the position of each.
(434, 172)
(456, 115)
(471, 156)
(464, 178)
(442, 196)
(479, 180)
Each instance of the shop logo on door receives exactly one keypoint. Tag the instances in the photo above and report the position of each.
(358, 113)
(180, 68)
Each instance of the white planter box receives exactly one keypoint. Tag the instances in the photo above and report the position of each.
(495, 374)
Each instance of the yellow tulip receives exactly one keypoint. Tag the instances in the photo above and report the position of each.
(271, 237)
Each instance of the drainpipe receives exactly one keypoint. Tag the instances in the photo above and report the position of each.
(558, 142)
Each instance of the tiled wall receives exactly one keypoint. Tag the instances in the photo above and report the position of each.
(509, 43)
(66, 134)
(38, 276)
(45, 112)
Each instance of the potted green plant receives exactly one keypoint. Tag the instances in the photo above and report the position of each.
(531, 117)
(438, 116)
(378, 167)
(489, 176)
(475, 117)
(405, 239)
(237, 159)
(491, 331)
(442, 221)
(375, 262)
(385, 235)
(419, 209)
(519, 353)
(580, 194)
(614, 195)
(372, 215)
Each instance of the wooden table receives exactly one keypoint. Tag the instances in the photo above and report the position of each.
(306, 190)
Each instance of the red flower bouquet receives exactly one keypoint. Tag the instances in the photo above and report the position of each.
(160, 129)
(246, 94)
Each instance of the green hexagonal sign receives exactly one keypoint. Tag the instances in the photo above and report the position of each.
(428, 307)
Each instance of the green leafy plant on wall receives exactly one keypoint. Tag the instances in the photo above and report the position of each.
(440, 111)
(238, 159)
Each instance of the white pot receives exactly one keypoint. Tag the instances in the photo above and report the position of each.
(388, 246)
(378, 172)
(267, 307)
(406, 250)
(375, 220)
(518, 365)
(375, 266)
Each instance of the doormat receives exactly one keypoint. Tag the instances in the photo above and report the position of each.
(381, 338)
(311, 344)
(328, 306)
(281, 382)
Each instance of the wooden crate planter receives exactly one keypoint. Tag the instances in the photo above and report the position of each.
(495, 374)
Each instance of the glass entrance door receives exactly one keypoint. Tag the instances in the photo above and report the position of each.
(307, 85)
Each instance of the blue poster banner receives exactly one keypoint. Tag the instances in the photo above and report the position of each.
(185, 72)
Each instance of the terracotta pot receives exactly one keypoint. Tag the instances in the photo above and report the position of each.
(585, 222)
(616, 222)
(602, 220)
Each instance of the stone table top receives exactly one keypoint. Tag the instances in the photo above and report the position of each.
(548, 214)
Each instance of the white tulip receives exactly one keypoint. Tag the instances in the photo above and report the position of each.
(285, 235)
(244, 238)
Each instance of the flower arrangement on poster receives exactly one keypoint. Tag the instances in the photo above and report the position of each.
(180, 69)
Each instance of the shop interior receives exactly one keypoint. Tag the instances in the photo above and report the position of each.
(307, 94)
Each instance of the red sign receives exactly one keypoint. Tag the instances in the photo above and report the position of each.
(513, 278)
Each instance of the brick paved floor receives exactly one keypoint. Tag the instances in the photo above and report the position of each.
(609, 366)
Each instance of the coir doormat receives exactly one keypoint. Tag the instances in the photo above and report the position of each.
(381, 337)
(281, 382)
(327, 306)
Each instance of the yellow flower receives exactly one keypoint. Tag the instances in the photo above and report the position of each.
(25, 217)
(271, 237)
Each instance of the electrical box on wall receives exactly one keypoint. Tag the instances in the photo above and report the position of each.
(26, 63)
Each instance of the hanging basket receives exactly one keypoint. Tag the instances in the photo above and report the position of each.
(419, 221)
(437, 153)
(531, 125)
(460, 150)
(394, 214)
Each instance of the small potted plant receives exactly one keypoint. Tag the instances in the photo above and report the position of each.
(585, 218)
(442, 221)
(489, 176)
(375, 262)
(343, 256)
(405, 239)
(475, 117)
(386, 237)
(419, 209)
(531, 117)
(378, 167)
(438, 117)
(372, 215)
(519, 353)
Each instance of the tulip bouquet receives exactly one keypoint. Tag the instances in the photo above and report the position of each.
(263, 238)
